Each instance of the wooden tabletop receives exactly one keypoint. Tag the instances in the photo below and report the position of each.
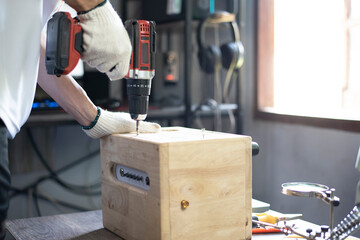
(79, 226)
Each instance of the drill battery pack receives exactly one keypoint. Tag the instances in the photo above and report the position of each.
(63, 44)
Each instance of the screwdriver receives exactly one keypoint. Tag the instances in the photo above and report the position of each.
(273, 218)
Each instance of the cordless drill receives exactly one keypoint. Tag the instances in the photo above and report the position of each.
(142, 67)
(64, 48)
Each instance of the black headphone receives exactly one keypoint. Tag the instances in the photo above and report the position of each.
(211, 57)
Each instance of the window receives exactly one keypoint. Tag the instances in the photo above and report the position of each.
(308, 62)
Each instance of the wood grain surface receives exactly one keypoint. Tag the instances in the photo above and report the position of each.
(210, 170)
(77, 226)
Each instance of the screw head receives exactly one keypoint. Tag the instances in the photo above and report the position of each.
(122, 172)
(184, 204)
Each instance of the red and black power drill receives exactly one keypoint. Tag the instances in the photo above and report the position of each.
(142, 67)
(64, 48)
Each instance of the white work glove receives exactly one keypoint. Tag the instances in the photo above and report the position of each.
(106, 42)
(118, 122)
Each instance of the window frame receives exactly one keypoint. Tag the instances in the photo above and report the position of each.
(264, 72)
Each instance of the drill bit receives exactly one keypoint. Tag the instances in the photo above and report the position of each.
(137, 127)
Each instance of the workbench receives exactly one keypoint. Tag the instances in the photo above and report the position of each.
(79, 226)
(76, 226)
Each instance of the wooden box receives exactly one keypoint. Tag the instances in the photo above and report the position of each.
(180, 183)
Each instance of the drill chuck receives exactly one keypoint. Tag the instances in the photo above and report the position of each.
(138, 91)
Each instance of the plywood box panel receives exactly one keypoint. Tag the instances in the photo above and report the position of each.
(210, 170)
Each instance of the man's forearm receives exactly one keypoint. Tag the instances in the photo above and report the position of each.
(66, 92)
(83, 5)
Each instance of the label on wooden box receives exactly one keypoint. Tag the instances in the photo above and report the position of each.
(180, 183)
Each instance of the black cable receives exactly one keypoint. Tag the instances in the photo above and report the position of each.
(36, 201)
(60, 202)
(25, 189)
(17, 191)
(54, 176)
(76, 162)
(37, 196)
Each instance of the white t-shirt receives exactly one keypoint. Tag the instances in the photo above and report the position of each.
(20, 28)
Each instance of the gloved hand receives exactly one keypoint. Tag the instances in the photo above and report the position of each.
(118, 122)
(106, 42)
